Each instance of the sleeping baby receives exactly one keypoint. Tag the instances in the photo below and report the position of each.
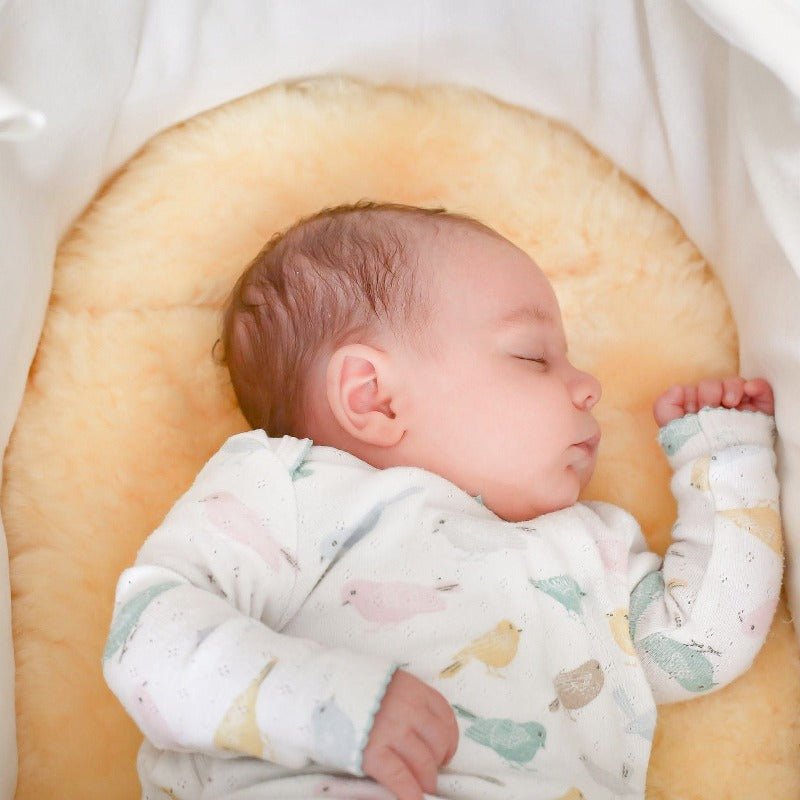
(388, 587)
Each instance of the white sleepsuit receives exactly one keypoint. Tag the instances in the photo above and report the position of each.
(253, 639)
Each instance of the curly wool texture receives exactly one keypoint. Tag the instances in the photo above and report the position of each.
(124, 402)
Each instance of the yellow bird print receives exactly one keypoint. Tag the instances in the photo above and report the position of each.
(699, 477)
(495, 649)
(239, 730)
(763, 522)
(621, 630)
(573, 794)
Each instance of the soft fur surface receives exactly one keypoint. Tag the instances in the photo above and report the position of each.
(124, 403)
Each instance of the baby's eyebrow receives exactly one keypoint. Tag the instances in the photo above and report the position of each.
(526, 314)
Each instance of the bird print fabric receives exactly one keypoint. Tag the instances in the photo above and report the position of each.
(494, 649)
(394, 601)
(265, 617)
(515, 742)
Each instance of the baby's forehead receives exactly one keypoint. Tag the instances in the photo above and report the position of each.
(481, 267)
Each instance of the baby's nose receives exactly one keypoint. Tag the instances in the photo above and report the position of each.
(589, 391)
(597, 392)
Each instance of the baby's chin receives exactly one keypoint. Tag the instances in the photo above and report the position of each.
(557, 490)
(560, 506)
(579, 472)
(569, 495)
(537, 507)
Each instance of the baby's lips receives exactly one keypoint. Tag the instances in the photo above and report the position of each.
(594, 440)
(591, 442)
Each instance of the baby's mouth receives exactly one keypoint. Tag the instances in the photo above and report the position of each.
(589, 445)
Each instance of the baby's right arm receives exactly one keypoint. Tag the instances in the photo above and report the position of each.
(700, 620)
(194, 654)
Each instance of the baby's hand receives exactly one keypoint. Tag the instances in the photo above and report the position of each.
(414, 733)
(737, 393)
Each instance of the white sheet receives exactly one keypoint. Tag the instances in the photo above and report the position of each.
(699, 101)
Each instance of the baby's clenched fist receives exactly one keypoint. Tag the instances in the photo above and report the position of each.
(737, 393)
(414, 733)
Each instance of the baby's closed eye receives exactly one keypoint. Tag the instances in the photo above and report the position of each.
(540, 360)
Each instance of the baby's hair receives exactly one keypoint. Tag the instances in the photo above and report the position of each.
(334, 277)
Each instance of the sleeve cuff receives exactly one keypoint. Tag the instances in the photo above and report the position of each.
(369, 719)
(710, 429)
(343, 724)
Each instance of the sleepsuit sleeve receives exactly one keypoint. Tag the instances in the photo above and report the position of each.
(699, 620)
(195, 653)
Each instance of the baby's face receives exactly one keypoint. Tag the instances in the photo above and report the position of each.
(502, 411)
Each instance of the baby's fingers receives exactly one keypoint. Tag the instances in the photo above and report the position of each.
(442, 734)
(387, 768)
(710, 392)
(418, 758)
(690, 403)
(669, 405)
(734, 389)
(759, 396)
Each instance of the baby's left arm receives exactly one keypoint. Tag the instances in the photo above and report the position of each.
(699, 621)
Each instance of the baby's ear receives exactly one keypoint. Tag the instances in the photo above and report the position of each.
(359, 385)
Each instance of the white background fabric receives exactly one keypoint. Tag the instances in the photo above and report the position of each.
(698, 100)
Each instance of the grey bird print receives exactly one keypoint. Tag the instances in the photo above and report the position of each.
(642, 725)
(337, 542)
(578, 687)
(617, 783)
(334, 732)
(478, 540)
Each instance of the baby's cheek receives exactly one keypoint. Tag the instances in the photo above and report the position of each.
(559, 495)
(575, 479)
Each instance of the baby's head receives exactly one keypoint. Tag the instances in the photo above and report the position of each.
(415, 337)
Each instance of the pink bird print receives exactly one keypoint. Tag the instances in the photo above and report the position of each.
(150, 719)
(228, 513)
(393, 601)
(757, 622)
(613, 554)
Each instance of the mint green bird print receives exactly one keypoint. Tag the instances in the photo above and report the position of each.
(684, 662)
(516, 742)
(242, 444)
(563, 589)
(675, 435)
(302, 471)
(299, 469)
(644, 593)
(129, 615)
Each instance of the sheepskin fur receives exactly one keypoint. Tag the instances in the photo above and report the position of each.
(124, 403)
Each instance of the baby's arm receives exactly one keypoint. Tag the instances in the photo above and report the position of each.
(700, 620)
(194, 654)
